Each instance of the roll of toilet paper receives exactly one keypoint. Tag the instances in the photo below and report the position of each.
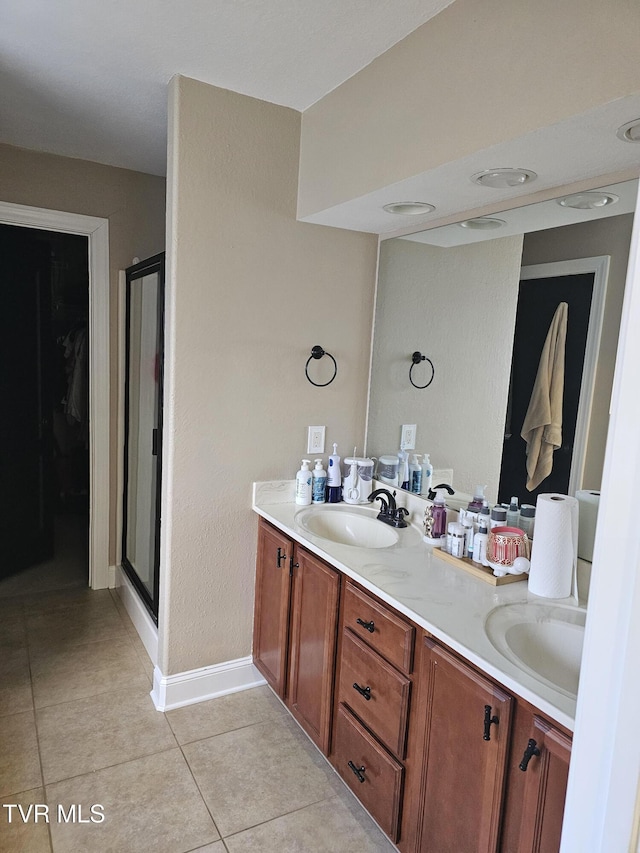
(555, 546)
(588, 504)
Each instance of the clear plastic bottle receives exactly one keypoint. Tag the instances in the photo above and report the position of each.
(513, 513)
(527, 519)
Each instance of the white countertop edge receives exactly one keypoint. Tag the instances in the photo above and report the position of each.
(550, 702)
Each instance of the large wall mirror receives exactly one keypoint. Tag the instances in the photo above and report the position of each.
(454, 293)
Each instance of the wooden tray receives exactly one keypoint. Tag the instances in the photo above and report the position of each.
(483, 572)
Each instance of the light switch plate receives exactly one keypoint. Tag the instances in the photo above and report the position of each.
(315, 439)
(408, 437)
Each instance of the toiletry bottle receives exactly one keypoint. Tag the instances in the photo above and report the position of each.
(427, 474)
(403, 469)
(513, 513)
(498, 516)
(478, 497)
(527, 519)
(439, 515)
(480, 544)
(303, 484)
(457, 541)
(450, 528)
(334, 478)
(484, 515)
(415, 474)
(319, 483)
(467, 523)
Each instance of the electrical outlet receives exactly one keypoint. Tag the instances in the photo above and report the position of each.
(315, 439)
(408, 437)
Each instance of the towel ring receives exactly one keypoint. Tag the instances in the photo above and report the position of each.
(318, 352)
(416, 358)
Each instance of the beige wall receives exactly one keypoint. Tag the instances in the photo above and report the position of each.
(250, 291)
(134, 204)
(479, 73)
(610, 236)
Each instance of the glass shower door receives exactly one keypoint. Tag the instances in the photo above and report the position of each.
(143, 428)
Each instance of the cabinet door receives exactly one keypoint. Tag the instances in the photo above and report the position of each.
(466, 738)
(272, 599)
(314, 628)
(545, 788)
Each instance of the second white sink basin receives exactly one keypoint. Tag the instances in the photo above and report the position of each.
(351, 525)
(543, 639)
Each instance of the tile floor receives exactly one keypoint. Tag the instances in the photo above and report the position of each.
(78, 727)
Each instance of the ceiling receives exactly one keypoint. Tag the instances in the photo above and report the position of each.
(88, 78)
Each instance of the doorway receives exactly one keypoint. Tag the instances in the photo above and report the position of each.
(44, 427)
(97, 231)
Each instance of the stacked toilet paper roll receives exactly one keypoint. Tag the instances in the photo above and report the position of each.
(555, 546)
(588, 504)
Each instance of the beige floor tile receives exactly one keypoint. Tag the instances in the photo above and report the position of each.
(88, 734)
(254, 774)
(11, 606)
(85, 670)
(224, 714)
(216, 847)
(19, 762)
(151, 805)
(74, 625)
(15, 682)
(18, 836)
(43, 603)
(13, 633)
(325, 827)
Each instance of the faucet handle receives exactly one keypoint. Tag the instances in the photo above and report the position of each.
(399, 516)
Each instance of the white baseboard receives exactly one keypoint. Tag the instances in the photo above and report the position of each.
(197, 685)
(138, 613)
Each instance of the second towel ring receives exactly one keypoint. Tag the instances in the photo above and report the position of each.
(317, 352)
(416, 358)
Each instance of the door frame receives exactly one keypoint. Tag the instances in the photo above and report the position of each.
(97, 231)
(599, 266)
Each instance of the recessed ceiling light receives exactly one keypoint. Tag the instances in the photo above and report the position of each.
(503, 178)
(588, 200)
(408, 208)
(630, 132)
(482, 223)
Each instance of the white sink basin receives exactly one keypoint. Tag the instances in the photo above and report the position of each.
(543, 639)
(351, 525)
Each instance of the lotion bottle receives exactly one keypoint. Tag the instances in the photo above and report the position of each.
(303, 484)
(480, 544)
(319, 483)
(334, 478)
(415, 475)
(403, 469)
(427, 474)
(439, 515)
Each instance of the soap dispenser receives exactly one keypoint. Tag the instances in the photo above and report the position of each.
(334, 478)
(319, 483)
(427, 474)
(303, 484)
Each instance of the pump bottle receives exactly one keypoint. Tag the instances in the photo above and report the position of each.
(303, 484)
(439, 515)
(319, 483)
(334, 478)
(427, 474)
(415, 475)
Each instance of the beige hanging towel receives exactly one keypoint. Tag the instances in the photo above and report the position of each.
(542, 427)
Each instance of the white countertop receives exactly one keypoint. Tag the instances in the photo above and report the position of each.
(449, 603)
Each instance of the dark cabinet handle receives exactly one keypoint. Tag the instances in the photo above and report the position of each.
(530, 751)
(363, 691)
(369, 626)
(488, 720)
(281, 556)
(359, 771)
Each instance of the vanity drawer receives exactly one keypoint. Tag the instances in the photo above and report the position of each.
(379, 627)
(381, 697)
(373, 775)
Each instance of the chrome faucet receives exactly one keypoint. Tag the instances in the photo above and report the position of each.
(390, 513)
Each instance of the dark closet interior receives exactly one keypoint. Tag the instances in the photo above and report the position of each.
(44, 382)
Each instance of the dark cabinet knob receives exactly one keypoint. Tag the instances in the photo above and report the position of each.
(488, 722)
(530, 751)
(369, 626)
(363, 691)
(281, 556)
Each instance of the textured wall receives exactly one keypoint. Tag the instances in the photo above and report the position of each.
(250, 290)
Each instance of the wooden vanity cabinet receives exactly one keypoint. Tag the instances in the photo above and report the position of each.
(535, 795)
(295, 629)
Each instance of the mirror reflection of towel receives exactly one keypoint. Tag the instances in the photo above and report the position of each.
(542, 427)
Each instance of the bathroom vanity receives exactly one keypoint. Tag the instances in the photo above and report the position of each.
(381, 652)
